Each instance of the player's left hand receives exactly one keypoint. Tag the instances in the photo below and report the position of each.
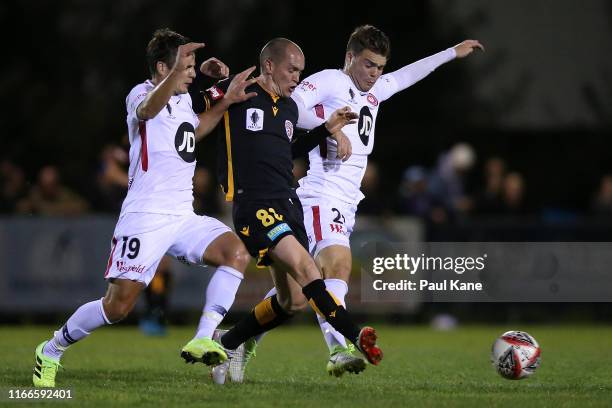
(236, 90)
(344, 148)
(214, 68)
(467, 47)
(340, 118)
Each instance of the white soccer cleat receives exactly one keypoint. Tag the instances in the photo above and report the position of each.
(342, 360)
(219, 373)
(235, 366)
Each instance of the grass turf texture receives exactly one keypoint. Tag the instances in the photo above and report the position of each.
(119, 366)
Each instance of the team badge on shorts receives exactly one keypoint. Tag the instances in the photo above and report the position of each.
(289, 129)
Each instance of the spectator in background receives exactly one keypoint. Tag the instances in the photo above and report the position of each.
(414, 197)
(448, 179)
(157, 294)
(372, 204)
(50, 197)
(490, 200)
(300, 168)
(13, 186)
(112, 178)
(206, 196)
(602, 202)
(513, 195)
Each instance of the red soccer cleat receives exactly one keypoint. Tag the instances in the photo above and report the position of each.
(367, 345)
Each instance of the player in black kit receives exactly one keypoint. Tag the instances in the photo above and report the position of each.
(257, 144)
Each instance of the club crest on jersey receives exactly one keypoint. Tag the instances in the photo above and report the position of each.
(372, 99)
(289, 129)
(254, 119)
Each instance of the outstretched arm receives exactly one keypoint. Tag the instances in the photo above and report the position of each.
(413, 73)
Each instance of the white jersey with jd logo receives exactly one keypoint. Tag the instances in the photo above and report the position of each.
(157, 216)
(331, 190)
(320, 94)
(162, 156)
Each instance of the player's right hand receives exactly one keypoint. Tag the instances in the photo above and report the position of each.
(184, 51)
(236, 89)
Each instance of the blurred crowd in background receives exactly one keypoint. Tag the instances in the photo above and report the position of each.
(534, 123)
(459, 185)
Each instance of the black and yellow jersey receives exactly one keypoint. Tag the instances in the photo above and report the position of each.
(257, 144)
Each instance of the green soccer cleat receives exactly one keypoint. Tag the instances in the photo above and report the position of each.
(204, 350)
(341, 360)
(45, 368)
(235, 367)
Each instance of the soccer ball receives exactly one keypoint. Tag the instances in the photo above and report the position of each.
(515, 355)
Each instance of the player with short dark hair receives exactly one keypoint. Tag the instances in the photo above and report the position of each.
(256, 150)
(157, 214)
(368, 37)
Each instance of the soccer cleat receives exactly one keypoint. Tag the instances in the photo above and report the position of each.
(45, 368)
(204, 350)
(366, 343)
(342, 360)
(235, 366)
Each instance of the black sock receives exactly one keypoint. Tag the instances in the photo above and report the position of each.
(267, 315)
(325, 305)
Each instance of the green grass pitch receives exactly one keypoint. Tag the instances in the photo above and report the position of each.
(422, 368)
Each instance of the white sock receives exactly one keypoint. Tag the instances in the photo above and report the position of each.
(270, 293)
(83, 321)
(333, 338)
(220, 295)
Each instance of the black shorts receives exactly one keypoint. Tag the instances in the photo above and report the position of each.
(262, 223)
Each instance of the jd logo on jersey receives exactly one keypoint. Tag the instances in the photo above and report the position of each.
(184, 142)
(364, 126)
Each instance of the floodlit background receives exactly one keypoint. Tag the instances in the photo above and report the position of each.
(508, 145)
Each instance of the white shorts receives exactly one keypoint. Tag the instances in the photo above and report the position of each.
(328, 222)
(141, 240)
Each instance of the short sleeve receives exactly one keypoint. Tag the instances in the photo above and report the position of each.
(135, 98)
(196, 118)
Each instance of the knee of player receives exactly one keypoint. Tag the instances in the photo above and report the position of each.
(307, 267)
(292, 305)
(340, 269)
(237, 257)
(298, 306)
(116, 310)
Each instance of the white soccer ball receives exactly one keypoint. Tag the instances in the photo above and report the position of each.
(515, 355)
